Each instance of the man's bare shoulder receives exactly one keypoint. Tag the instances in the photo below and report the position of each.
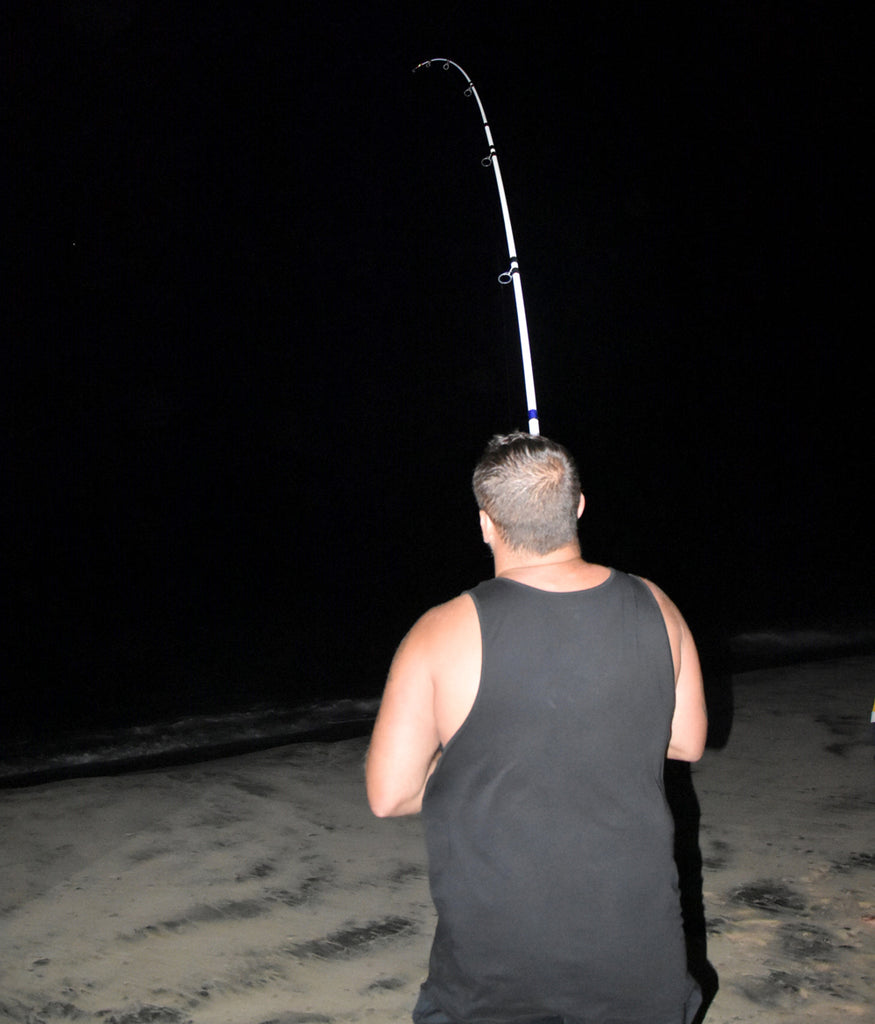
(446, 643)
(662, 599)
(442, 629)
(440, 623)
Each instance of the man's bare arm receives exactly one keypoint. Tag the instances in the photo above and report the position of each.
(405, 745)
(689, 725)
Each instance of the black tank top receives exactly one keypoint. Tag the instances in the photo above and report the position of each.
(548, 834)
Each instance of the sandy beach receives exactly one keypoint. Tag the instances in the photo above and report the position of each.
(260, 889)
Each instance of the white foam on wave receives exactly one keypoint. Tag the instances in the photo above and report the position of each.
(801, 642)
(257, 727)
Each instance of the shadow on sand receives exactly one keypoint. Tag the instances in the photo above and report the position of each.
(684, 804)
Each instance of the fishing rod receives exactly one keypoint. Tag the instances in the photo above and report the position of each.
(512, 274)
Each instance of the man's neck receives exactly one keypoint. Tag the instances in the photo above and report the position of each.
(512, 562)
(561, 570)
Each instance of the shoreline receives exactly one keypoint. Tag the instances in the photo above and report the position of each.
(192, 739)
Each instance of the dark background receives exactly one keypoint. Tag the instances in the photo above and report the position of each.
(255, 340)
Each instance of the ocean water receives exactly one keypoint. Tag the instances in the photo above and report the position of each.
(169, 740)
(178, 740)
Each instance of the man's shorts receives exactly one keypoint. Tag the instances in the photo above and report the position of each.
(425, 1012)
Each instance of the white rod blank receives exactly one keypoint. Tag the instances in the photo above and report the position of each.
(512, 275)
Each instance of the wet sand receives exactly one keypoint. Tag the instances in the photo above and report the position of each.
(260, 889)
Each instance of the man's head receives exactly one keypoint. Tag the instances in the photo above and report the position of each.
(529, 487)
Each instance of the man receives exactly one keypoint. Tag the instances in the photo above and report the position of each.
(529, 720)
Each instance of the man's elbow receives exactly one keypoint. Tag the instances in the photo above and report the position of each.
(378, 800)
(384, 807)
(686, 752)
(384, 800)
(690, 744)
(379, 804)
(392, 795)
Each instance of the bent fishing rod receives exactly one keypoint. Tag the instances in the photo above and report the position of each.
(512, 274)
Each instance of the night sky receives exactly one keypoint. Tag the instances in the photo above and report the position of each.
(255, 338)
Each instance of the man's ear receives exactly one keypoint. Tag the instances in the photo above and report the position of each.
(581, 505)
(487, 528)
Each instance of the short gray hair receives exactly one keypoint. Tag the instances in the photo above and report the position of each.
(529, 487)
